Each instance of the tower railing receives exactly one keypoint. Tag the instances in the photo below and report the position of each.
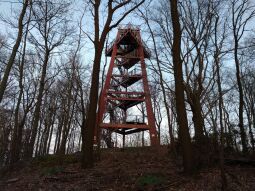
(135, 119)
(129, 26)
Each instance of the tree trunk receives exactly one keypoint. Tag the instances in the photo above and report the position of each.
(37, 110)
(90, 123)
(14, 51)
(48, 131)
(66, 129)
(179, 91)
(38, 135)
(66, 119)
(198, 120)
(221, 155)
(248, 113)
(215, 130)
(241, 97)
(15, 145)
(59, 134)
(51, 133)
(253, 115)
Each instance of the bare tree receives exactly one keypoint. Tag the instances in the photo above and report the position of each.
(179, 90)
(242, 13)
(217, 57)
(18, 127)
(99, 40)
(158, 69)
(15, 48)
(52, 24)
(248, 84)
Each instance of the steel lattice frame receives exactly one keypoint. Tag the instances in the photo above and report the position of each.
(128, 37)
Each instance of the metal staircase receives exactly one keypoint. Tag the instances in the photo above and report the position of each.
(127, 54)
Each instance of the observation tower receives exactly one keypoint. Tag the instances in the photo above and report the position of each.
(126, 91)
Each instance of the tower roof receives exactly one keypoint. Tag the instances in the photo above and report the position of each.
(128, 35)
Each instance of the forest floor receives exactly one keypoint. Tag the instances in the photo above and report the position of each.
(134, 169)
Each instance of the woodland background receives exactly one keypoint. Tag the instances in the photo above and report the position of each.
(201, 75)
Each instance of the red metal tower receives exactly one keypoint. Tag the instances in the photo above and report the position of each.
(121, 93)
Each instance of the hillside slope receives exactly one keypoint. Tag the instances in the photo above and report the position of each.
(132, 169)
